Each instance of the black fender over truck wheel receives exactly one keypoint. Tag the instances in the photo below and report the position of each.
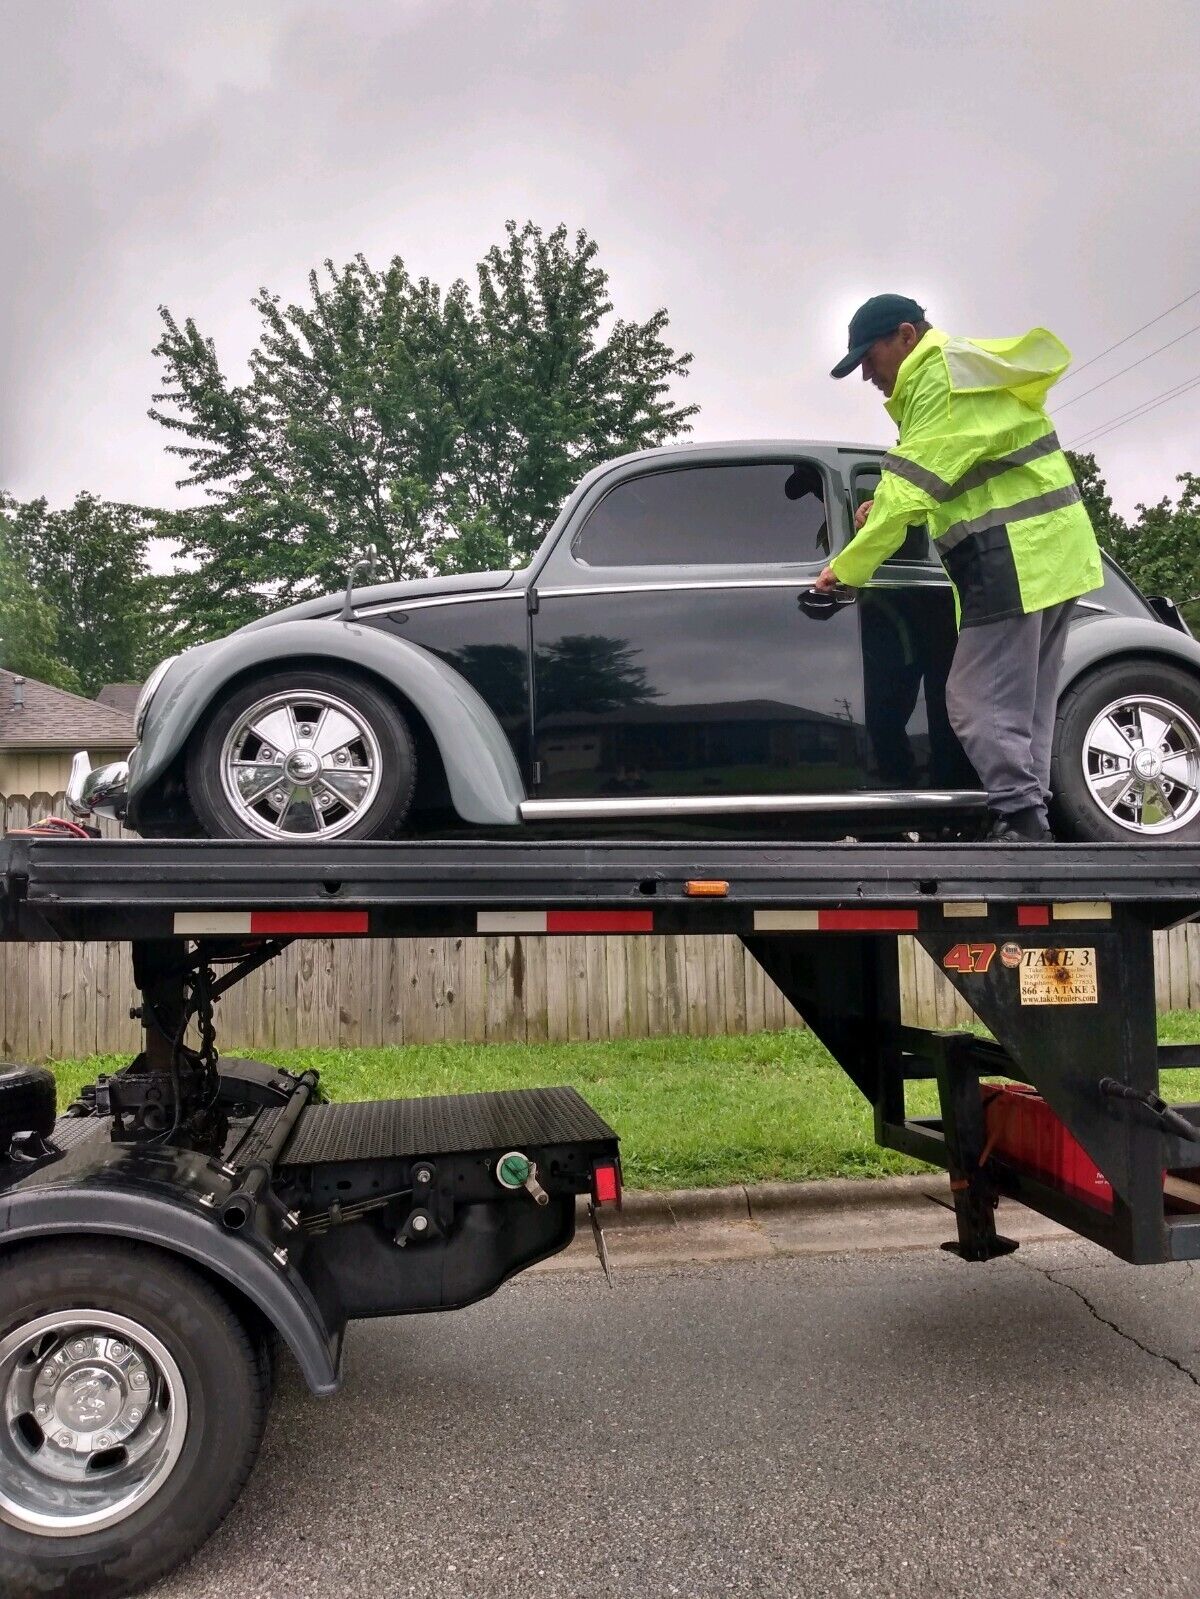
(27, 1103)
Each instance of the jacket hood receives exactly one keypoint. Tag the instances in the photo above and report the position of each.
(1026, 366)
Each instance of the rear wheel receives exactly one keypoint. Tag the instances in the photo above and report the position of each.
(132, 1404)
(302, 756)
(1126, 764)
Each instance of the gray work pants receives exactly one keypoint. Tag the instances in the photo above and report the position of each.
(1001, 697)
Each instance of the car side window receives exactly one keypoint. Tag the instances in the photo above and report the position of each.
(760, 513)
(917, 547)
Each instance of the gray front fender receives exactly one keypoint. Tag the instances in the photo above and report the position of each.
(481, 769)
(1099, 640)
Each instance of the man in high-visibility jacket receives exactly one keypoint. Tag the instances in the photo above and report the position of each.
(978, 461)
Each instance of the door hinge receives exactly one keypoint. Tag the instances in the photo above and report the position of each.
(537, 774)
(531, 601)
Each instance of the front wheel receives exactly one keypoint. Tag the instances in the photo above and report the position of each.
(1126, 764)
(302, 756)
(132, 1404)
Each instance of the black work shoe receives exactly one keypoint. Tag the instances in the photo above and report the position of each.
(1020, 827)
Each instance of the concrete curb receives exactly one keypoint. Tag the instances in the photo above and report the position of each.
(745, 1201)
(763, 1220)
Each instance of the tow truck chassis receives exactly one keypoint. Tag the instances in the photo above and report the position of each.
(310, 1215)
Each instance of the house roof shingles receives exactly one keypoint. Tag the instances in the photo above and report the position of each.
(120, 696)
(53, 719)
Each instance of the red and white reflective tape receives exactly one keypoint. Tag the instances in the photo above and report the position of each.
(250, 923)
(891, 920)
(1074, 910)
(564, 922)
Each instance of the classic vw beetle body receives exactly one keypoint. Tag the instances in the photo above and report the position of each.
(661, 665)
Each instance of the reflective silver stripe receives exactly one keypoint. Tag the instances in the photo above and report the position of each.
(938, 489)
(1046, 445)
(1040, 505)
(920, 476)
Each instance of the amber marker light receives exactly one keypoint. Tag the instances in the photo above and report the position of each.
(705, 888)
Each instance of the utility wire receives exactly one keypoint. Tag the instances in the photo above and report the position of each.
(1140, 362)
(1195, 294)
(1115, 422)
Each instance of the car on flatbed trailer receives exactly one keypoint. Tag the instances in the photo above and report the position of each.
(662, 666)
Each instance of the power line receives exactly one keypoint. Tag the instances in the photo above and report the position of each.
(1134, 412)
(1115, 422)
(1140, 362)
(1195, 294)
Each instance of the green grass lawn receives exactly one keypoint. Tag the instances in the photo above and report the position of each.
(692, 1112)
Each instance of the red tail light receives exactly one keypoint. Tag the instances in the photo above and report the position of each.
(606, 1183)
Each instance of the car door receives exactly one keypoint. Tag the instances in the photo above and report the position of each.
(671, 653)
(908, 631)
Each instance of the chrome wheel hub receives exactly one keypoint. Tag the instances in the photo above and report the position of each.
(1141, 762)
(94, 1419)
(300, 764)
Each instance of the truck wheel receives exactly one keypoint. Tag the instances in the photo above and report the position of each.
(132, 1405)
(302, 756)
(27, 1103)
(1126, 764)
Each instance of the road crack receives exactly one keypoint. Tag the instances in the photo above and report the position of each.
(1155, 1354)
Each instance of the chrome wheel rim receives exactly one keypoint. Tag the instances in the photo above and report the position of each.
(1141, 763)
(95, 1416)
(300, 765)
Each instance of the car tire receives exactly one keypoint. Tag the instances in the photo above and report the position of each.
(379, 758)
(1126, 760)
(180, 1337)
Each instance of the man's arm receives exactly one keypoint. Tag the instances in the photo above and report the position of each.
(941, 440)
(896, 506)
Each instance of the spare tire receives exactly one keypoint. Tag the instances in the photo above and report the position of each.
(27, 1103)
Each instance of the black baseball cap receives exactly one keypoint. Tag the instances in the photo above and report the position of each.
(881, 315)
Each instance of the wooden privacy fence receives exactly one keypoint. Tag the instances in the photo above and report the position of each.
(59, 1000)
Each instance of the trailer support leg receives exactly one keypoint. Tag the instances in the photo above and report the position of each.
(160, 971)
(974, 1194)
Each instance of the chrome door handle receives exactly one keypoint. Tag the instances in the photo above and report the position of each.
(822, 603)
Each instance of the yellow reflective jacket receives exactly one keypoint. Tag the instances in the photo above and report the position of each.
(979, 462)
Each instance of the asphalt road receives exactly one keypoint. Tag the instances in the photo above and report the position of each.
(858, 1425)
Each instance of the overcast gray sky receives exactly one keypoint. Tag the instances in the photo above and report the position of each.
(756, 166)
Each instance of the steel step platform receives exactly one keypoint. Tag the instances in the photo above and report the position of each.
(446, 1124)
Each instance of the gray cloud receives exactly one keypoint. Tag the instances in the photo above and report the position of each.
(758, 168)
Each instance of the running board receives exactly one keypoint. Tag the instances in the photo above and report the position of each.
(565, 810)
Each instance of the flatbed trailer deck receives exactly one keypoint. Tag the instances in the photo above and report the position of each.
(301, 1216)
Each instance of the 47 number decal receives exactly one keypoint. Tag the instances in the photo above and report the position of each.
(969, 957)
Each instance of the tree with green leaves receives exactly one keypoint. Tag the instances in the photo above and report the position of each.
(1160, 549)
(86, 564)
(444, 428)
(29, 626)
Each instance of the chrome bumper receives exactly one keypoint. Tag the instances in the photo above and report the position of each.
(100, 789)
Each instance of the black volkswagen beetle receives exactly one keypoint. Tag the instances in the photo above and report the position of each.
(662, 665)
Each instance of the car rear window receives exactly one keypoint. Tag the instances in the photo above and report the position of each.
(742, 515)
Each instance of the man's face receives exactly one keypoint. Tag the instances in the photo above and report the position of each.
(883, 360)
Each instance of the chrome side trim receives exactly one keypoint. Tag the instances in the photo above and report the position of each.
(1090, 605)
(751, 804)
(801, 580)
(438, 599)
